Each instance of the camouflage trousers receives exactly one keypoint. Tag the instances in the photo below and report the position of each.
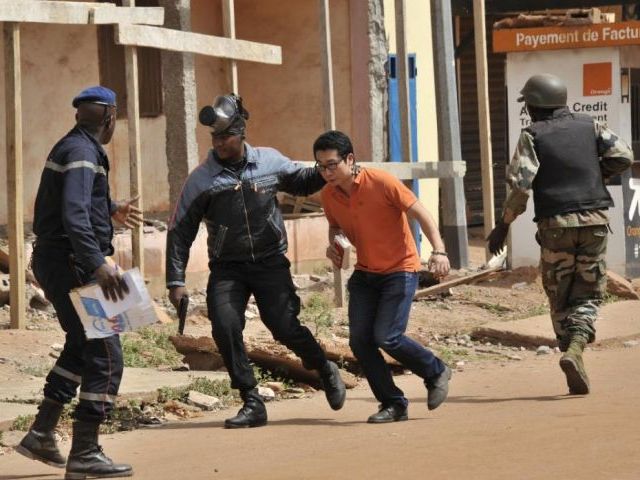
(572, 264)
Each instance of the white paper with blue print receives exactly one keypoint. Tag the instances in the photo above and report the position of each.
(103, 318)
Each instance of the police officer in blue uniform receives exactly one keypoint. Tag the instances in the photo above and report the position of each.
(72, 223)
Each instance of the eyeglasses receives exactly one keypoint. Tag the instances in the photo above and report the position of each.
(331, 166)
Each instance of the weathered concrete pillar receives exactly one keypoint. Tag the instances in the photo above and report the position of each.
(378, 92)
(454, 219)
(180, 101)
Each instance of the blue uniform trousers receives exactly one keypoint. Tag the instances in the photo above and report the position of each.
(94, 365)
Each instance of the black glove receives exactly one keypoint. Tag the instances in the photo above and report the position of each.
(497, 237)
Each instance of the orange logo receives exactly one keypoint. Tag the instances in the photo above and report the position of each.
(597, 79)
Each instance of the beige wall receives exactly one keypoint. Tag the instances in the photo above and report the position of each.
(57, 62)
(285, 101)
(54, 67)
(418, 33)
(155, 188)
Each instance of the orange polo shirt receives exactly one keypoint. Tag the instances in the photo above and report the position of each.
(373, 217)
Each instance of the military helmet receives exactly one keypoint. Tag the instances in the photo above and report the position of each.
(544, 91)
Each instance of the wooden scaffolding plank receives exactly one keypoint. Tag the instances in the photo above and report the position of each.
(15, 188)
(128, 15)
(326, 59)
(229, 26)
(467, 279)
(61, 12)
(179, 41)
(135, 155)
(329, 111)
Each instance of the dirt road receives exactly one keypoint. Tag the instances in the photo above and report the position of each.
(501, 422)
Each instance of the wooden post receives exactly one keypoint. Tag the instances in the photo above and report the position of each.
(229, 25)
(15, 188)
(484, 118)
(326, 59)
(329, 111)
(135, 155)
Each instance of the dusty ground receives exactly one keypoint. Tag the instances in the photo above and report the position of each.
(509, 421)
(443, 322)
(507, 416)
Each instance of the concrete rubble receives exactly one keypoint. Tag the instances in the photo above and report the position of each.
(202, 401)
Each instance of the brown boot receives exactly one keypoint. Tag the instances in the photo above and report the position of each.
(573, 366)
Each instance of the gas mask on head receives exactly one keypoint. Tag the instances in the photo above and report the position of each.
(226, 116)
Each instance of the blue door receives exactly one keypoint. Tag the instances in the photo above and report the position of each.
(395, 144)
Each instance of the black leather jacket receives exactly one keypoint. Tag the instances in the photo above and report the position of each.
(240, 209)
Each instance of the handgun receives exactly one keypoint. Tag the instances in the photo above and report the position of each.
(183, 306)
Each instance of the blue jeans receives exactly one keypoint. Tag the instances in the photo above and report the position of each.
(379, 307)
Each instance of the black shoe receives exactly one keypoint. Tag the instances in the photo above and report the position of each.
(40, 442)
(41, 446)
(438, 389)
(392, 413)
(252, 414)
(87, 460)
(334, 388)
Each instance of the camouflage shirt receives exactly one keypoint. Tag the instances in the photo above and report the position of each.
(615, 157)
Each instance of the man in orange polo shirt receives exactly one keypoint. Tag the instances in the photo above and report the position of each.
(371, 208)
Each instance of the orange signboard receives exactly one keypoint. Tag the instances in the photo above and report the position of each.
(572, 36)
(597, 79)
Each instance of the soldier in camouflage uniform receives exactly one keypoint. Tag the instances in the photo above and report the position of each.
(564, 158)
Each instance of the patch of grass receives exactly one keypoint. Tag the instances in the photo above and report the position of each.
(126, 416)
(215, 388)
(450, 355)
(534, 311)
(494, 308)
(22, 422)
(150, 347)
(39, 370)
(263, 376)
(318, 312)
(610, 298)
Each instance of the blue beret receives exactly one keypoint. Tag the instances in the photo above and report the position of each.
(95, 94)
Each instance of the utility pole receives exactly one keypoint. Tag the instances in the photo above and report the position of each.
(454, 220)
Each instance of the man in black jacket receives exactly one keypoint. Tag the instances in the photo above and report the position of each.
(72, 222)
(234, 192)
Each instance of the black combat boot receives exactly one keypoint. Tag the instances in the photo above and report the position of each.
(40, 442)
(87, 460)
(252, 414)
(333, 385)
